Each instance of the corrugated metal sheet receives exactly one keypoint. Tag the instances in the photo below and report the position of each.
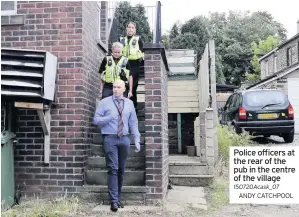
(28, 73)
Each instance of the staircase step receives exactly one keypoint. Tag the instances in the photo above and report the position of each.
(99, 177)
(97, 150)
(141, 81)
(141, 106)
(140, 98)
(131, 195)
(132, 162)
(191, 180)
(187, 169)
(98, 139)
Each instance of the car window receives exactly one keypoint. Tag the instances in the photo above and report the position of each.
(264, 97)
(228, 101)
(238, 101)
(233, 102)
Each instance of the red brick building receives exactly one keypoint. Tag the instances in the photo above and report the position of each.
(77, 33)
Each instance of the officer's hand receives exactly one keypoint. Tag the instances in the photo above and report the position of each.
(137, 147)
(130, 95)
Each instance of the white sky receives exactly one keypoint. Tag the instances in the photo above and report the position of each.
(285, 12)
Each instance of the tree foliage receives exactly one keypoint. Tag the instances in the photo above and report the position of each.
(234, 34)
(126, 13)
(175, 31)
(260, 49)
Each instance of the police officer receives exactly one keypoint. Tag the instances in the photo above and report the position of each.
(113, 68)
(133, 50)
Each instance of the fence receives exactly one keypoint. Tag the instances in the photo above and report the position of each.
(205, 133)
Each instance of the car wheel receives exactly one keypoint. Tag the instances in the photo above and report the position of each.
(288, 137)
(237, 130)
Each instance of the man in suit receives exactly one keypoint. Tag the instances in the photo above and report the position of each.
(116, 116)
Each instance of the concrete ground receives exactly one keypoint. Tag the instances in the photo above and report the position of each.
(192, 202)
(179, 199)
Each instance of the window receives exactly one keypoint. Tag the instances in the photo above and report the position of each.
(8, 8)
(102, 25)
(232, 104)
(289, 56)
(228, 101)
(275, 63)
(264, 97)
(267, 68)
(99, 20)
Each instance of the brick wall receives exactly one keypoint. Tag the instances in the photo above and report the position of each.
(58, 28)
(187, 126)
(281, 54)
(268, 62)
(92, 57)
(156, 122)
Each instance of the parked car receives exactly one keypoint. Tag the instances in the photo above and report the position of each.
(260, 112)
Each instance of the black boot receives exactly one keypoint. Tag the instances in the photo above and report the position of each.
(114, 207)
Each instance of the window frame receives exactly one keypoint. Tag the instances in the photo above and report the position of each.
(10, 12)
(99, 20)
(267, 68)
(275, 63)
(289, 56)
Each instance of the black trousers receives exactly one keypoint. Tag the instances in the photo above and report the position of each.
(108, 91)
(135, 71)
(134, 90)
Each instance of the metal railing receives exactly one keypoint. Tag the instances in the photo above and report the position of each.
(153, 15)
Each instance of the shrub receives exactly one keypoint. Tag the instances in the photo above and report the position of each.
(227, 138)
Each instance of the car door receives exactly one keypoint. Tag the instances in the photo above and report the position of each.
(224, 114)
(235, 107)
(231, 109)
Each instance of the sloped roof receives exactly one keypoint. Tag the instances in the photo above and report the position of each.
(279, 46)
(275, 76)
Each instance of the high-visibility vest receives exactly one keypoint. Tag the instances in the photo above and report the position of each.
(131, 49)
(112, 70)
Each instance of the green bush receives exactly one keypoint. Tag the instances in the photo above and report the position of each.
(227, 138)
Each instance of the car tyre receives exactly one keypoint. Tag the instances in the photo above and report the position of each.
(237, 130)
(288, 137)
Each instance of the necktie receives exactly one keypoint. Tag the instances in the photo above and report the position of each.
(120, 121)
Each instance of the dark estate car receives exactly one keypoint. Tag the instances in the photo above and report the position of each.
(260, 112)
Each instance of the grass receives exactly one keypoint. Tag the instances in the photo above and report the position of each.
(218, 190)
(219, 196)
(58, 207)
(228, 138)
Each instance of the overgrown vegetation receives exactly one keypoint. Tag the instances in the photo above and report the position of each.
(59, 207)
(219, 196)
(227, 138)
